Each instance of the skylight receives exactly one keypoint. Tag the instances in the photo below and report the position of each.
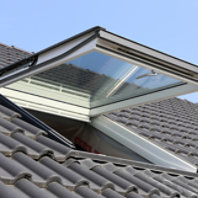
(96, 72)
(96, 79)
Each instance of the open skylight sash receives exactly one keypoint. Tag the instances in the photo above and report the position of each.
(101, 72)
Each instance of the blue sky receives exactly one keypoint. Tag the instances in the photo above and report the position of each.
(170, 26)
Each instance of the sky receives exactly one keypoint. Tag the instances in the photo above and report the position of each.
(170, 26)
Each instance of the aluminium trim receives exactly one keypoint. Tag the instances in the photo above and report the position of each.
(51, 92)
(144, 50)
(59, 56)
(33, 57)
(153, 97)
(148, 64)
(141, 145)
(94, 30)
(38, 103)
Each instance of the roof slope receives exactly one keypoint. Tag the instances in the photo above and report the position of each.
(32, 165)
(172, 124)
(73, 76)
(11, 54)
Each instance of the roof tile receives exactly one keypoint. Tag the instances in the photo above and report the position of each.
(10, 191)
(32, 165)
(32, 190)
(11, 54)
(59, 191)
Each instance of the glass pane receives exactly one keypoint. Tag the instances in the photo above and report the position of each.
(96, 79)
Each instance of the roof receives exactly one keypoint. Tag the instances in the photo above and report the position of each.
(172, 124)
(32, 165)
(11, 54)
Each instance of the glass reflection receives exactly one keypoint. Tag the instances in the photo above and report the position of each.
(102, 79)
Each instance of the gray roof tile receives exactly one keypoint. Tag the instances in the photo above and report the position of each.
(32, 190)
(11, 144)
(11, 191)
(87, 193)
(37, 169)
(109, 193)
(64, 172)
(11, 54)
(11, 127)
(92, 177)
(60, 191)
(7, 113)
(29, 129)
(13, 168)
(39, 166)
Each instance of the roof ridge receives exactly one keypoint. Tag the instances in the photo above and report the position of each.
(176, 98)
(186, 100)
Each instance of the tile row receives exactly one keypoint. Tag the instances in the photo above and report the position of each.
(105, 179)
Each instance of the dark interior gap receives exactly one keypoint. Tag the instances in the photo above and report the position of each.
(87, 138)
